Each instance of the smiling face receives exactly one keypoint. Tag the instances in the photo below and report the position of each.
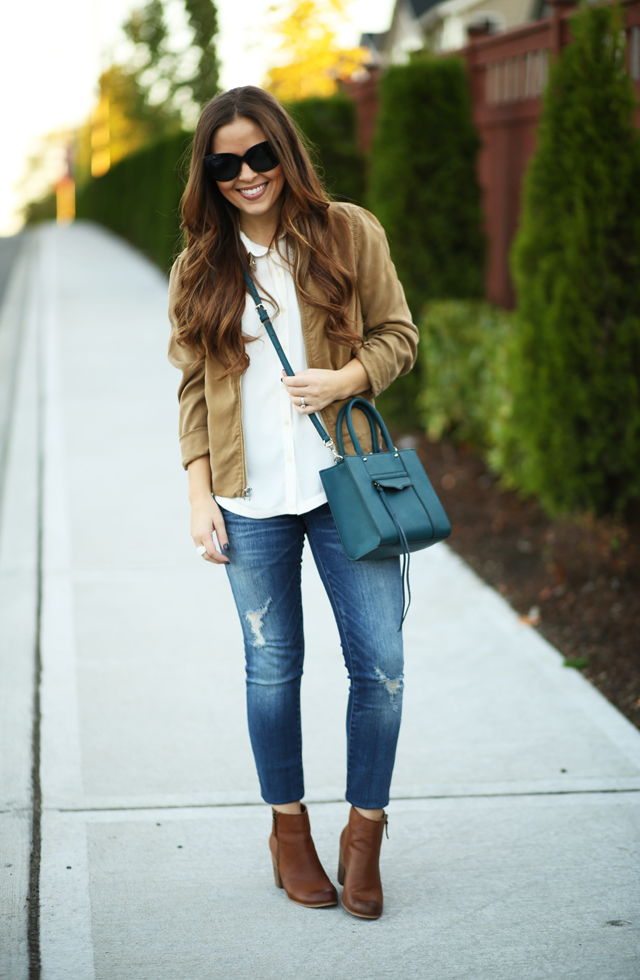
(256, 195)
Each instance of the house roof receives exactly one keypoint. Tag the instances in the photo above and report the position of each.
(376, 44)
(420, 7)
(374, 40)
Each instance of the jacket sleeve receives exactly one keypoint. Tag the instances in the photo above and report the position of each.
(391, 338)
(194, 435)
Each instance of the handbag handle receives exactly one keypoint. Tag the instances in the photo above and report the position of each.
(288, 370)
(374, 432)
(374, 419)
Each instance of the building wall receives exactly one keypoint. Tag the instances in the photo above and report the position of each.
(445, 25)
(512, 12)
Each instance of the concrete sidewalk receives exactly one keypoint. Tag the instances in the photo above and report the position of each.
(515, 820)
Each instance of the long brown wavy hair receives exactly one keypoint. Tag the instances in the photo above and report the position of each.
(211, 292)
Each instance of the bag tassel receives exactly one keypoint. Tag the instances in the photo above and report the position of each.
(406, 556)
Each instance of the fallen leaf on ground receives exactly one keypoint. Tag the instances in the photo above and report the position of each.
(532, 618)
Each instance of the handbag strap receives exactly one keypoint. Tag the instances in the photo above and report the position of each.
(288, 370)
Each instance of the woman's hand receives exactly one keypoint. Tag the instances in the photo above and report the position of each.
(206, 516)
(320, 387)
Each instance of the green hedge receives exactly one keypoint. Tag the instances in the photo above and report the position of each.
(463, 359)
(330, 125)
(575, 369)
(423, 188)
(139, 198)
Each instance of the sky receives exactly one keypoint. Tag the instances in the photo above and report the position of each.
(51, 54)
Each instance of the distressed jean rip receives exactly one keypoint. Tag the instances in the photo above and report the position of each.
(393, 685)
(255, 618)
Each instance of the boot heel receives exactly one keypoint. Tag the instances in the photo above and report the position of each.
(276, 873)
(341, 869)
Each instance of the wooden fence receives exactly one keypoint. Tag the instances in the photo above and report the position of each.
(507, 75)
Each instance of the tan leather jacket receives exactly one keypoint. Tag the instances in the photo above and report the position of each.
(211, 410)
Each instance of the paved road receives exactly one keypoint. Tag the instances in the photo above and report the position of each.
(514, 825)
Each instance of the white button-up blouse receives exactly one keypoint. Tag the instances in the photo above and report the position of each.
(284, 453)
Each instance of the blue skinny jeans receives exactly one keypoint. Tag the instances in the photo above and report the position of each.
(366, 596)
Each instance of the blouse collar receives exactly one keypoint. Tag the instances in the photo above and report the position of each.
(252, 247)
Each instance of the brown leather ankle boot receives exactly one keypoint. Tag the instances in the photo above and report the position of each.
(296, 866)
(359, 869)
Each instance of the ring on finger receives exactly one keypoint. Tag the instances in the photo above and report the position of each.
(302, 402)
(201, 550)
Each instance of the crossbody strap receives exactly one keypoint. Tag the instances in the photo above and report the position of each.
(273, 337)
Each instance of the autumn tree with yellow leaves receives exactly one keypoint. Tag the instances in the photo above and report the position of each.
(311, 59)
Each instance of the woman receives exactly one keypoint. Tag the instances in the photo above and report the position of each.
(253, 202)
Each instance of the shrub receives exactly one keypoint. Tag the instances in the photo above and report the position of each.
(424, 190)
(139, 198)
(465, 394)
(330, 125)
(574, 435)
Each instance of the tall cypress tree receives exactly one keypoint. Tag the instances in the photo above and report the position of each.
(330, 126)
(424, 190)
(575, 369)
(423, 184)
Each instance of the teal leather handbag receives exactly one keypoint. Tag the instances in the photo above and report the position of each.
(382, 502)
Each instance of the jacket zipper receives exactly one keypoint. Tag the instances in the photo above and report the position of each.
(246, 491)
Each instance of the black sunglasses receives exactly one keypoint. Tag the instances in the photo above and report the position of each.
(226, 166)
